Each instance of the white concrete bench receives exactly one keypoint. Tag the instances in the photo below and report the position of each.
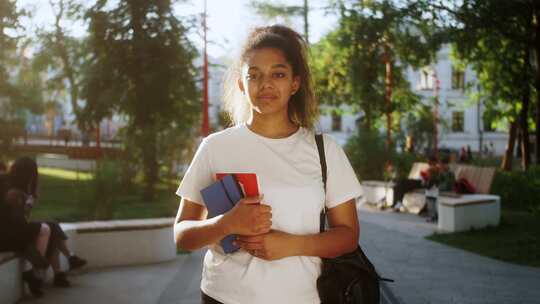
(103, 244)
(11, 286)
(375, 192)
(123, 242)
(468, 211)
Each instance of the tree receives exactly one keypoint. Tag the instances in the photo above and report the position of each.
(281, 10)
(143, 67)
(362, 61)
(497, 39)
(64, 58)
(20, 87)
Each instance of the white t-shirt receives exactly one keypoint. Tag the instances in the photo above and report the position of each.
(289, 176)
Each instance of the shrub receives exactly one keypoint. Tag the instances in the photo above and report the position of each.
(106, 186)
(367, 154)
(518, 189)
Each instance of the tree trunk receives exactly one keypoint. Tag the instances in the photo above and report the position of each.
(149, 147)
(519, 140)
(509, 153)
(536, 42)
(524, 115)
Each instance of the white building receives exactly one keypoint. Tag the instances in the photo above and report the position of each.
(463, 120)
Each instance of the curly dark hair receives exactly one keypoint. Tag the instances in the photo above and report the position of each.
(303, 109)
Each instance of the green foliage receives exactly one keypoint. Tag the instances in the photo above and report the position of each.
(367, 154)
(518, 189)
(496, 38)
(62, 58)
(74, 199)
(143, 52)
(275, 10)
(421, 126)
(348, 63)
(106, 188)
(20, 88)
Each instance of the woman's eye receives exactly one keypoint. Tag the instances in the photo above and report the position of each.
(251, 76)
(279, 75)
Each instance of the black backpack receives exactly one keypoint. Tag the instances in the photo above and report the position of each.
(350, 278)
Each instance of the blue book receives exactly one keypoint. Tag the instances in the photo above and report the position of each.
(220, 197)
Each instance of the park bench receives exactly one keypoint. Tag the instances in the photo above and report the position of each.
(375, 192)
(11, 287)
(103, 244)
(460, 212)
(457, 212)
(123, 242)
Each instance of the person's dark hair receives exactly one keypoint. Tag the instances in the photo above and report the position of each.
(23, 175)
(303, 109)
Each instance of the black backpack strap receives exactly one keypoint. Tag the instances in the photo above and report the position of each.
(322, 159)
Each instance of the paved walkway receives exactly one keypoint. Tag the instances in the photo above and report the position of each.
(428, 272)
(425, 272)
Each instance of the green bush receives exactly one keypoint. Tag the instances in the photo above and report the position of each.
(367, 154)
(106, 186)
(518, 189)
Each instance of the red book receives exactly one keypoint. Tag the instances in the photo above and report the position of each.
(248, 182)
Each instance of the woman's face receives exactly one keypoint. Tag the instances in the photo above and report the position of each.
(267, 81)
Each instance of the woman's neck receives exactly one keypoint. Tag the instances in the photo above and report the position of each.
(271, 127)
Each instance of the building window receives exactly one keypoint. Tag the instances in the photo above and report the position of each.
(458, 78)
(458, 121)
(336, 121)
(426, 79)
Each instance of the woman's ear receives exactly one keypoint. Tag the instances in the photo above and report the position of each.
(296, 84)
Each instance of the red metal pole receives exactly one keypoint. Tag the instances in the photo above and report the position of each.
(205, 129)
(436, 114)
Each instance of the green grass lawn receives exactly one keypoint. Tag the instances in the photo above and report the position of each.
(68, 196)
(515, 240)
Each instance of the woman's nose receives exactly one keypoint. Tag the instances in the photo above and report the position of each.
(266, 82)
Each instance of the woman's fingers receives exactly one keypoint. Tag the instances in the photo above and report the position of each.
(249, 244)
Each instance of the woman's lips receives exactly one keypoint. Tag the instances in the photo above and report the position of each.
(267, 97)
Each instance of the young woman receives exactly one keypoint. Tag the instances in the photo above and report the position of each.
(278, 232)
(19, 194)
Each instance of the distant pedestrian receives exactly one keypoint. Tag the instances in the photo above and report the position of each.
(491, 149)
(469, 154)
(463, 155)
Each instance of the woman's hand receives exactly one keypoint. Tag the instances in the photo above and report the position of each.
(273, 245)
(248, 217)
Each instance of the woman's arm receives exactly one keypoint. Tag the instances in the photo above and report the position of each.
(192, 230)
(341, 238)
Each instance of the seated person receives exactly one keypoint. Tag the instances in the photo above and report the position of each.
(404, 185)
(18, 235)
(23, 177)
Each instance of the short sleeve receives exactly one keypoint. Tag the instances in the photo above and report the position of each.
(197, 176)
(342, 184)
